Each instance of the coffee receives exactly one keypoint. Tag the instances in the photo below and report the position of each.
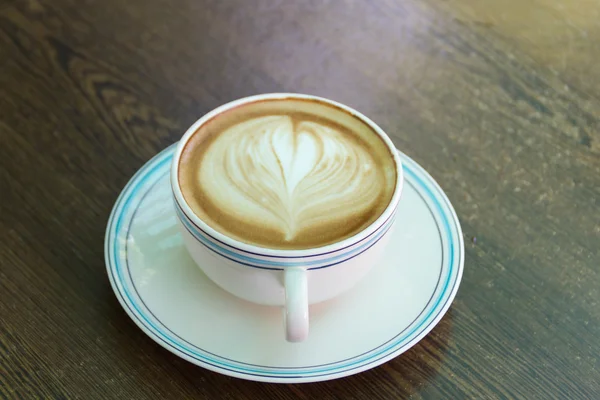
(287, 173)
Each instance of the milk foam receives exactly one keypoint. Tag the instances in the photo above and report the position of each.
(288, 175)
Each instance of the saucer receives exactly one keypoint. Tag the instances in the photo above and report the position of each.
(388, 312)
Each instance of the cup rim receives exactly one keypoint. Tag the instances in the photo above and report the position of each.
(265, 251)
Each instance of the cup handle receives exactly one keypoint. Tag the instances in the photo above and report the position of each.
(296, 304)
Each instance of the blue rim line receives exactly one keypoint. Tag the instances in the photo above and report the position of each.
(148, 171)
(280, 265)
(213, 239)
(237, 369)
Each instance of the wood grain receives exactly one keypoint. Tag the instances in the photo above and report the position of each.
(500, 101)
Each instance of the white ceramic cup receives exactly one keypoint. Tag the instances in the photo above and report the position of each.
(289, 278)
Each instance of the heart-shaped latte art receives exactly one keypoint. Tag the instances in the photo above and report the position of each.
(289, 175)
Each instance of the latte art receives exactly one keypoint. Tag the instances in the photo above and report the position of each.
(288, 175)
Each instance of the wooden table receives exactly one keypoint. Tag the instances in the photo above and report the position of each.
(499, 100)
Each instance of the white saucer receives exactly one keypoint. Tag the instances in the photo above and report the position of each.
(171, 300)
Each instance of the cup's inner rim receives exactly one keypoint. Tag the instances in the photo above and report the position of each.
(248, 247)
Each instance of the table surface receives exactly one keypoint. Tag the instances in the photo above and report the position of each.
(498, 100)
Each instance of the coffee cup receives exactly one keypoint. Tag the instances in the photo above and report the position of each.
(286, 199)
